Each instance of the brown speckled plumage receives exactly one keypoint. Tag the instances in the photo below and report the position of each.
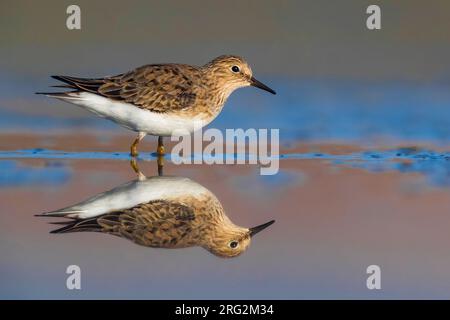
(180, 222)
(157, 87)
(160, 223)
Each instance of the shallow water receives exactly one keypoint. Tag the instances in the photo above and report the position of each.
(433, 165)
(364, 179)
(337, 208)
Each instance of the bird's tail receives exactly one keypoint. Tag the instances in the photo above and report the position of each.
(62, 213)
(76, 84)
(78, 226)
(68, 95)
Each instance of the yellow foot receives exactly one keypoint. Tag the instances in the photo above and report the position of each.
(134, 152)
(160, 150)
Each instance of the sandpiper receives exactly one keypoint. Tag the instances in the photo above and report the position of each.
(160, 212)
(159, 99)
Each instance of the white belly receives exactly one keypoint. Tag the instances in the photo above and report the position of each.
(135, 118)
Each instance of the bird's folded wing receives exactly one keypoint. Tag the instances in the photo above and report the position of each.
(153, 212)
(149, 221)
(158, 88)
(138, 220)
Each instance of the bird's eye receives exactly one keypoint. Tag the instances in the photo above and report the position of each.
(235, 69)
(233, 244)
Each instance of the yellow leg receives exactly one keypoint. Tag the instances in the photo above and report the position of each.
(160, 150)
(133, 151)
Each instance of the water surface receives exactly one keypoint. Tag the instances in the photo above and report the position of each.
(364, 179)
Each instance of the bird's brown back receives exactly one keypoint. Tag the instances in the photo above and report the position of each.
(161, 88)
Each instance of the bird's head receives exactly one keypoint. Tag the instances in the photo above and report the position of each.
(232, 72)
(230, 241)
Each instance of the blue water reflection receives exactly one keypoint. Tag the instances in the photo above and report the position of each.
(435, 166)
(13, 174)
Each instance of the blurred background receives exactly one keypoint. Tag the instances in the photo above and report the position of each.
(364, 119)
(336, 79)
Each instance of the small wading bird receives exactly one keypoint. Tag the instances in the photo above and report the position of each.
(160, 212)
(159, 99)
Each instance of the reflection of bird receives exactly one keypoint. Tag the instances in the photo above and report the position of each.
(159, 99)
(162, 212)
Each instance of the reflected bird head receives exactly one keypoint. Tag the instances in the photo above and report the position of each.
(232, 72)
(230, 241)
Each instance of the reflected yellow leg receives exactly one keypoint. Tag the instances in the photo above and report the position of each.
(160, 165)
(135, 167)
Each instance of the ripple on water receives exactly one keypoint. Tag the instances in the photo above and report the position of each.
(13, 174)
(435, 166)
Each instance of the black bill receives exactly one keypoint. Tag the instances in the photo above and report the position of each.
(256, 83)
(259, 228)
